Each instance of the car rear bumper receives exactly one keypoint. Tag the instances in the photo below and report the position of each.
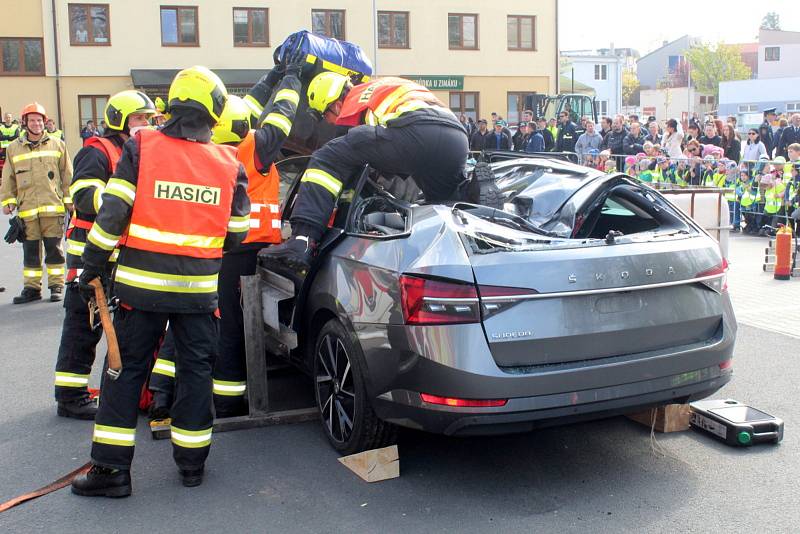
(406, 408)
(455, 362)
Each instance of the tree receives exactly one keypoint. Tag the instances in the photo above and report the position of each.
(630, 88)
(708, 66)
(771, 21)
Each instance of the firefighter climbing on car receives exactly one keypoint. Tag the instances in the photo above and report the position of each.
(394, 125)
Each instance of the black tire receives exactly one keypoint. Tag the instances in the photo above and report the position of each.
(342, 396)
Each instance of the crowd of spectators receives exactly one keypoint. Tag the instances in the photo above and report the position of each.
(761, 171)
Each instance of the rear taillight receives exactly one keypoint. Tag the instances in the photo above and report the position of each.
(715, 278)
(727, 364)
(463, 403)
(497, 298)
(431, 302)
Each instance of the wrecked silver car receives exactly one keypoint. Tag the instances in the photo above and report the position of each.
(587, 295)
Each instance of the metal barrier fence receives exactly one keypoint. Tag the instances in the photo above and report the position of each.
(757, 197)
(762, 192)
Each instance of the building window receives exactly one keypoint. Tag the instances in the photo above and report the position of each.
(748, 108)
(21, 56)
(250, 27)
(328, 22)
(521, 32)
(393, 29)
(462, 31)
(89, 25)
(601, 72)
(516, 104)
(179, 26)
(674, 63)
(793, 106)
(601, 107)
(772, 53)
(466, 103)
(92, 108)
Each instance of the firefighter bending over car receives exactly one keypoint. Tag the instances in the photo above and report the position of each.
(173, 204)
(257, 149)
(125, 113)
(397, 127)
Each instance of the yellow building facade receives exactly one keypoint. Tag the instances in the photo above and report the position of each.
(478, 57)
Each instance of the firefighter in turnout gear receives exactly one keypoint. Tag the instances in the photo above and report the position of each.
(173, 204)
(397, 127)
(36, 179)
(94, 164)
(257, 149)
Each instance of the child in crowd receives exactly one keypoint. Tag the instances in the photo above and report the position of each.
(747, 194)
(645, 174)
(792, 193)
(610, 166)
(630, 166)
(602, 158)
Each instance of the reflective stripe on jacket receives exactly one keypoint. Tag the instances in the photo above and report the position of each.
(87, 190)
(383, 100)
(36, 177)
(263, 190)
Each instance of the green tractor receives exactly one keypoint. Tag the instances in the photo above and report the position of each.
(549, 107)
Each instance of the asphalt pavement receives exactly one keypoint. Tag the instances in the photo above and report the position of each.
(603, 476)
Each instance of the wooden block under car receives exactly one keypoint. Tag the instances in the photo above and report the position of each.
(374, 465)
(669, 418)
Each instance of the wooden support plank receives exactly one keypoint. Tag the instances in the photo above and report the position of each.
(374, 465)
(283, 417)
(256, 356)
(669, 418)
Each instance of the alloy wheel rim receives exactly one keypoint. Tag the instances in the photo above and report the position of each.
(335, 388)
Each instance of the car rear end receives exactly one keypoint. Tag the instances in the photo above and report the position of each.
(553, 329)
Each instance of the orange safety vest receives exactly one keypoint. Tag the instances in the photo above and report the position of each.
(113, 153)
(382, 100)
(263, 190)
(183, 202)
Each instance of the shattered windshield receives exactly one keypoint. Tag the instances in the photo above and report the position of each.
(536, 191)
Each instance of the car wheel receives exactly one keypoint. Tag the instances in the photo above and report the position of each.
(346, 413)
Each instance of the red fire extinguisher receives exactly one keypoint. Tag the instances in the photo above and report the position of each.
(783, 253)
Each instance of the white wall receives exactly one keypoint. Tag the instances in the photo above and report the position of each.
(610, 89)
(787, 66)
(670, 103)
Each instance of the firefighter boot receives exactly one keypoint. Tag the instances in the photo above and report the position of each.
(28, 295)
(291, 258)
(192, 477)
(103, 482)
(482, 188)
(83, 408)
(56, 293)
(159, 409)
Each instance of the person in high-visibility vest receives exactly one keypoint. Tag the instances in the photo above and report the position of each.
(792, 197)
(730, 181)
(257, 148)
(749, 197)
(9, 130)
(396, 126)
(125, 113)
(36, 178)
(50, 126)
(175, 202)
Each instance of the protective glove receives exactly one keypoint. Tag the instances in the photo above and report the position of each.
(295, 60)
(90, 272)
